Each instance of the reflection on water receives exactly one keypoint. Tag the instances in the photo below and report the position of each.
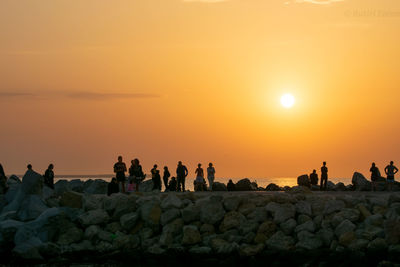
(262, 182)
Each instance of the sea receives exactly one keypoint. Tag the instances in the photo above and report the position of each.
(261, 182)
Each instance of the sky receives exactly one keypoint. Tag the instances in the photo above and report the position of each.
(82, 82)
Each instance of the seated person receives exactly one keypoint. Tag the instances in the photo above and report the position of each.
(131, 186)
(172, 184)
(314, 178)
(231, 186)
(113, 187)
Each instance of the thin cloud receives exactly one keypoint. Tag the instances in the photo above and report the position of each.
(316, 2)
(105, 96)
(14, 94)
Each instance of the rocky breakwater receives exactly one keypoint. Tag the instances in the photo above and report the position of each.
(153, 227)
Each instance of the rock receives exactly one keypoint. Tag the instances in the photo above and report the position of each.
(61, 186)
(392, 230)
(340, 187)
(299, 190)
(265, 231)
(31, 207)
(330, 186)
(303, 218)
(221, 246)
(303, 207)
(47, 192)
(232, 219)
(352, 215)
(14, 184)
(207, 229)
(333, 206)
(378, 244)
(273, 187)
(347, 238)
(98, 186)
(326, 236)
(76, 185)
(250, 250)
(219, 187)
(72, 235)
(370, 232)
(280, 242)
(247, 208)
(281, 212)
(244, 185)
(191, 235)
(170, 231)
(169, 216)
(71, 199)
(151, 213)
(191, 213)
(303, 180)
(8, 228)
(308, 226)
(248, 226)
(114, 227)
(376, 220)
(146, 186)
(358, 245)
(288, 226)
(344, 227)
(231, 203)
(258, 215)
(129, 220)
(29, 249)
(171, 202)
(93, 202)
(212, 212)
(94, 217)
(308, 241)
(365, 213)
(360, 183)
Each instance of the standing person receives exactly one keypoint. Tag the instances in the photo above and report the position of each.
(181, 173)
(324, 176)
(210, 175)
(231, 186)
(390, 171)
(119, 170)
(112, 187)
(375, 175)
(137, 173)
(199, 182)
(314, 178)
(49, 176)
(155, 176)
(3, 181)
(165, 177)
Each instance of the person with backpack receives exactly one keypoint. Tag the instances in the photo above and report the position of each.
(49, 176)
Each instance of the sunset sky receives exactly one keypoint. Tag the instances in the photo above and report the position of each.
(82, 82)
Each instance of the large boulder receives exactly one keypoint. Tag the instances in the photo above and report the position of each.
(211, 212)
(244, 185)
(219, 187)
(13, 183)
(94, 217)
(191, 235)
(61, 186)
(280, 242)
(71, 199)
(76, 185)
(171, 201)
(31, 207)
(146, 186)
(360, 183)
(303, 180)
(281, 212)
(98, 186)
(273, 187)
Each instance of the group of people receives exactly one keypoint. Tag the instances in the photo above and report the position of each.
(136, 176)
(48, 177)
(390, 171)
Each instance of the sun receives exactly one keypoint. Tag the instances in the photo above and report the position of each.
(287, 100)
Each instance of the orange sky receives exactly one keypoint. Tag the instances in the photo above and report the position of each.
(165, 80)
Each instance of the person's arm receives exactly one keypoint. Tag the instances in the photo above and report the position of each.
(124, 167)
(395, 170)
(386, 168)
(115, 168)
(186, 171)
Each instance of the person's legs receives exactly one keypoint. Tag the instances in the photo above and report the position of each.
(183, 184)
(210, 182)
(123, 186)
(178, 188)
(165, 183)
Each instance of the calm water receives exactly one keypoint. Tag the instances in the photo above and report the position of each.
(263, 182)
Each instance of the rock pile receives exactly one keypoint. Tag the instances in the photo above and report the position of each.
(42, 226)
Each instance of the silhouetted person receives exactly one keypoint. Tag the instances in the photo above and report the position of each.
(231, 186)
(210, 175)
(113, 187)
(314, 178)
(375, 175)
(172, 184)
(181, 173)
(156, 177)
(29, 167)
(199, 182)
(165, 177)
(3, 181)
(390, 171)
(324, 176)
(49, 176)
(119, 170)
(136, 173)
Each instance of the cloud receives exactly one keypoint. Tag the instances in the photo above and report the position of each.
(316, 2)
(14, 94)
(105, 96)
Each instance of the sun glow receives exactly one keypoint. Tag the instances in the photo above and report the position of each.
(287, 100)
